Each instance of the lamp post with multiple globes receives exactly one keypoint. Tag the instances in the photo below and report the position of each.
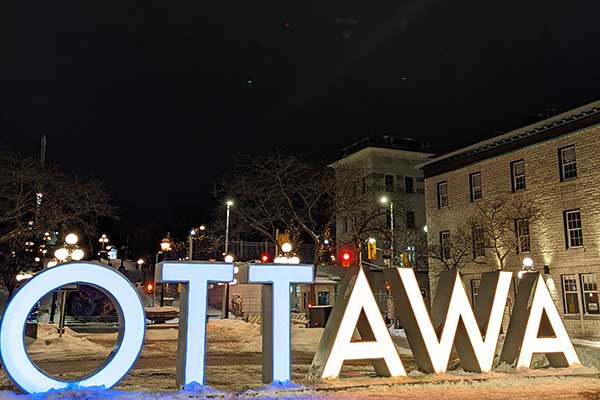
(69, 252)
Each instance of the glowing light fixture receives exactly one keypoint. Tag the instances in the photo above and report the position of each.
(61, 254)
(71, 239)
(77, 254)
(286, 247)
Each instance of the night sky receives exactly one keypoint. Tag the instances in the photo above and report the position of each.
(158, 97)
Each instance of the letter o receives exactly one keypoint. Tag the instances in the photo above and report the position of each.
(130, 310)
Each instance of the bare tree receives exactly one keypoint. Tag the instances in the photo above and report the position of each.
(505, 221)
(358, 209)
(35, 200)
(281, 192)
(456, 252)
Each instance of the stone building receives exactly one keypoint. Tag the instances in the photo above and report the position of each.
(385, 165)
(552, 165)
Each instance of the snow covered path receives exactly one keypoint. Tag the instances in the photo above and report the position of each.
(234, 370)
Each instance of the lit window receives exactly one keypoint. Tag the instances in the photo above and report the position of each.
(475, 183)
(517, 169)
(522, 234)
(568, 163)
(442, 191)
(389, 183)
(445, 244)
(569, 286)
(478, 242)
(589, 286)
(323, 298)
(574, 231)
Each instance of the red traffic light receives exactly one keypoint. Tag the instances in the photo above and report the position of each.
(346, 258)
(265, 258)
(149, 287)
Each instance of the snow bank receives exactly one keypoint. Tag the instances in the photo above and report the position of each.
(49, 345)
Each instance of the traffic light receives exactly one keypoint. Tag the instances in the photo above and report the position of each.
(149, 287)
(371, 249)
(346, 258)
(265, 258)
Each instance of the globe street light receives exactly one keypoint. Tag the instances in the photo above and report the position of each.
(71, 239)
(385, 200)
(77, 254)
(165, 246)
(286, 247)
(61, 254)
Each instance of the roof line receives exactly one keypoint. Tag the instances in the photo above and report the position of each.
(518, 134)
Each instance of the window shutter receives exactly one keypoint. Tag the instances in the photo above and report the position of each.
(512, 176)
(560, 167)
(566, 229)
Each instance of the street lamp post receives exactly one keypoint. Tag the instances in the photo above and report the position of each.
(385, 200)
(229, 203)
(165, 247)
(191, 236)
(64, 254)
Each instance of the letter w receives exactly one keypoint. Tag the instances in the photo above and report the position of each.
(453, 316)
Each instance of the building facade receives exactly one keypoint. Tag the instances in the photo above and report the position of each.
(551, 165)
(385, 168)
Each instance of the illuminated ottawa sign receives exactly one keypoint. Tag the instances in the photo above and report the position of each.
(452, 322)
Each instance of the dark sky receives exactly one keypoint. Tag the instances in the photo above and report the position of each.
(157, 97)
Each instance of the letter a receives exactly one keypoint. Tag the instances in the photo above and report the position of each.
(336, 344)
(526, 323)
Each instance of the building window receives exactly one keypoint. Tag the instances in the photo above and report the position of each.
(569, 286)
(475, 185)
(389, 183)
(305, 300)
(409, 184)
(445, 245)
(475, 283)
(410, 219)
(517, 172)
(363, 183)
(573, 230)
(343, 224)
(442, 192)
(478, 242)
(568, 164)
(589, 287)
(522, 235)
(323, 298)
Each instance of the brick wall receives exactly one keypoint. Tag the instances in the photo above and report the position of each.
(547, 234)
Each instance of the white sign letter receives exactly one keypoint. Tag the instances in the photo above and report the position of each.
(129, 309)
(275, 322)
(527, 321)
(194, 277)
(336, 344)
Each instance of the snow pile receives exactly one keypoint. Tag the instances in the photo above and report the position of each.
(233, 336)
(49, 345)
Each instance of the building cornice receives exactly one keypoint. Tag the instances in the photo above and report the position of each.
(560, 125)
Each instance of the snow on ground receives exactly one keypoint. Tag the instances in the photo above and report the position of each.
(233, 365)
(49, 345)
